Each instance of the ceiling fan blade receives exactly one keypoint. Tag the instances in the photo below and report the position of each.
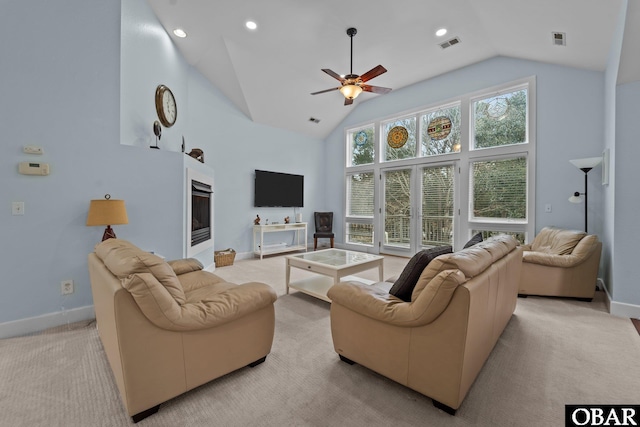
(375, 89)
(348, 101)
(326, 90)
(333, 74)
(374, 72)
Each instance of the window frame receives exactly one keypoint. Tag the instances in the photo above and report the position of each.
(463, 159)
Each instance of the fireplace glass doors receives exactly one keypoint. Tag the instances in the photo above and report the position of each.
(200, 212)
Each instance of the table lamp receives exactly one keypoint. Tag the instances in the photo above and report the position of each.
(107, 212)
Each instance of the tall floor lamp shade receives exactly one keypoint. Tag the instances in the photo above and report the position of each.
(585, 165)
(107, 212)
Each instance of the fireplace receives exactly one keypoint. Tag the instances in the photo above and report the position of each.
(200, 212)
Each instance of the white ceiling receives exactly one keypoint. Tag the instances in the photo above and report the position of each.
(270, 72)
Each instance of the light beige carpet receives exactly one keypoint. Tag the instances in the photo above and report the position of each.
(553, 352)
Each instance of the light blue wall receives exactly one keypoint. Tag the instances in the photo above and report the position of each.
(569, 112)
(626, 287)
(609, 190)
(61, 88)
(233, 145)
(60, 84)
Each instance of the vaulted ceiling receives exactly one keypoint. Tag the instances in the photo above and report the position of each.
(269, 72)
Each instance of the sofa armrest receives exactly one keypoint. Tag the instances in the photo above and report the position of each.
(186, 265)
(551, 260)
(377, 304)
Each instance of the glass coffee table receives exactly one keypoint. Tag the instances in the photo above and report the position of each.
(330, 265)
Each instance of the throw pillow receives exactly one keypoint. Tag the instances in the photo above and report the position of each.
(403, 286)
(477, 238)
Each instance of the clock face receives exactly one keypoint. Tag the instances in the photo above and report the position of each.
(166, 106)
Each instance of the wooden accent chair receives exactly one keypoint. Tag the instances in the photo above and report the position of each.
(324, 227)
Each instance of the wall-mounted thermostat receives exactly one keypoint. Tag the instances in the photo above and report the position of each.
(32, 149)
(31, 168)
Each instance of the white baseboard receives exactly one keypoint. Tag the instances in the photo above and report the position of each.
(39, 323)
(620, 309)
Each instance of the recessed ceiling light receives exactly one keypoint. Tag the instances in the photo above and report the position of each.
(179, 32)
(251, 25)
(441, 32)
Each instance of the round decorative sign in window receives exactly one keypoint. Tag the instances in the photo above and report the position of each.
(439, 128)
(497, 108)
(361, 138)
(397, 137)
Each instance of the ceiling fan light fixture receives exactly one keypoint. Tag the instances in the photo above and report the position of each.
(351, 91)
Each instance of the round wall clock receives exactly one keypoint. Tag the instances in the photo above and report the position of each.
(166, 106)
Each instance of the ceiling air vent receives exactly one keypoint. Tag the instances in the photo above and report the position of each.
(314, 120)
(559, 39)
(449, 43)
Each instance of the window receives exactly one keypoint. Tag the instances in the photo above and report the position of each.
(437, 206)
(441, 131)
(408, 149)
(397, 207)
(361, 195)
(361, 146)
(500, 120)
(499, 189)
(466, 165)
(360, 234)
(360, 208)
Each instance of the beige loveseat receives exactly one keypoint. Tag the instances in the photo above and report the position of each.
(561, 263)
(436, 343)
(168, 327)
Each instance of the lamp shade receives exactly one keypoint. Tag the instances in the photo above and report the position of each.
(107, 212)
(575, 199)
(351, 91)
(586, 163)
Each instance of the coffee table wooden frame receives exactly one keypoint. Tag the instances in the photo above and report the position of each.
(328, 274)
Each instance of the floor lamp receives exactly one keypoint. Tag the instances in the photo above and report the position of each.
(585, 165)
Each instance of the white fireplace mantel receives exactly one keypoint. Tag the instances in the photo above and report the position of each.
(196, 171)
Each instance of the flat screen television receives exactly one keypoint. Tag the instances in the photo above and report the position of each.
(276, 189)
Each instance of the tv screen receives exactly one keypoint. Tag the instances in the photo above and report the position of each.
(276, 189)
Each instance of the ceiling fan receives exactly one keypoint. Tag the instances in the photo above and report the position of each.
(353, 84)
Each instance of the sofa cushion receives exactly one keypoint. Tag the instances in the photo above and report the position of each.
(403, 286)
(124, 259)
(208, 306)
(556, 241)
(477, 238)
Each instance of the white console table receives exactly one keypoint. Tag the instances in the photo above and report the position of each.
(300, 242)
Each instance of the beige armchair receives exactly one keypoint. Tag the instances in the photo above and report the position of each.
(561, 263)
(168, 327)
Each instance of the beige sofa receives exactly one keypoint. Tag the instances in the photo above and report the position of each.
(436, 343)
(561, 263)
(168, 327)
